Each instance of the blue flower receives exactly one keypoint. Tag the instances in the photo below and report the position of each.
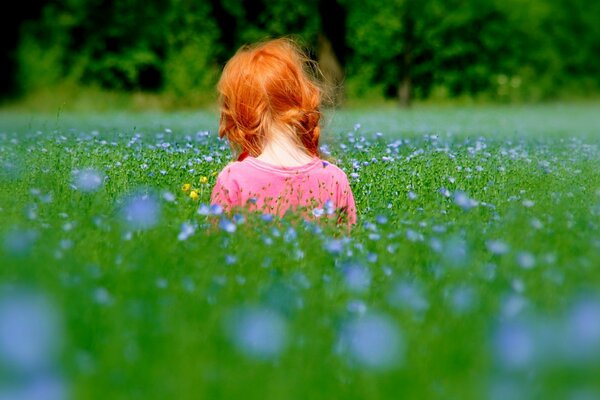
(227, 225)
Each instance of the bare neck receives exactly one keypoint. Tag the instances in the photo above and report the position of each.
(281, 150)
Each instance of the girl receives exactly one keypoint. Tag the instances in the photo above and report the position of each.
(270, 116)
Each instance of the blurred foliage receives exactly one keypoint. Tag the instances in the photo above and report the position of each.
(510, 50)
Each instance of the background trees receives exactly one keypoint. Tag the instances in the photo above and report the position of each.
(501, 50)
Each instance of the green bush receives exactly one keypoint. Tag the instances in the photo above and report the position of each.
(39, 66)
(191, 74)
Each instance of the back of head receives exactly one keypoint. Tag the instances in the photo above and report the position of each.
(267, 88)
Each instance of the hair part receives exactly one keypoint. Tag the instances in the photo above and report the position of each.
(270, 87)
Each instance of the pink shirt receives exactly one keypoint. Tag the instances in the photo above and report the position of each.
(319, 186)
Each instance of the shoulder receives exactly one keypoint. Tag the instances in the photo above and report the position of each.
(229, 175)
(237, 173)
(329, 168)
(231, 170)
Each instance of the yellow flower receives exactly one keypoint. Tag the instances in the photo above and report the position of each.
(194, 195)
(203, 180)
(214, 173)
(186, 187)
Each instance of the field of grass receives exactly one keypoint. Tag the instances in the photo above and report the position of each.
(473, 273)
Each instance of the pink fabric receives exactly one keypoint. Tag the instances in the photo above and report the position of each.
(319, 186)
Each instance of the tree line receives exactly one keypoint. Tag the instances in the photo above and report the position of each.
(506, 50)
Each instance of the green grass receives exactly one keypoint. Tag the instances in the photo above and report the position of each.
(489, 292)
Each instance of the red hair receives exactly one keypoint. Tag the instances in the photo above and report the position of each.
(265, 87)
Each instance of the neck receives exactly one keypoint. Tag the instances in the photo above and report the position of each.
(281, 150)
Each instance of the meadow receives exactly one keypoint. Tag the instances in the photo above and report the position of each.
(473, 271)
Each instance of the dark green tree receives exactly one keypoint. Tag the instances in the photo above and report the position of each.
(406, 49)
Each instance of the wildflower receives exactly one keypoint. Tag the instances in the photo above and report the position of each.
(31, 332)
(583, 329)
(515, 345)
(216, 209)
(329, 207)
(194, 195)
(102, 296)
(462, 299)
(257, 332)
(186, 187)
(168, 196)
(528, 203)
(141, 211)
(267, 217)
(203, 180)
(357, 307)
(162, 283)
(497, 247)
(373, 341)
(410, 296)
(204, 209)
(188, 284)
(456, 251)
(317, 212)
(444, 192)
(381, 219)
(230, 259)
(187, 230)
(526, 260)
(19, 241)
(227, 225)
(357, 278)
(512, 305)
(87, 180)
(463, 201)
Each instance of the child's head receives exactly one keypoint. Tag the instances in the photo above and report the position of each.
(267, 88)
